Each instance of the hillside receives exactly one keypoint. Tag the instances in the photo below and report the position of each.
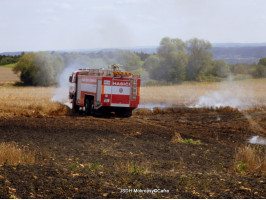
(241, 54)
(230, 52)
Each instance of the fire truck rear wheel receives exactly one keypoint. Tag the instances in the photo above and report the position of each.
(75, 108)
(91, 107)
(127, 114)
(87, 106)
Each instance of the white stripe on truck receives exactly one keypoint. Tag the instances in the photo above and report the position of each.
(116, 90)
(88, 87)
(119, 105)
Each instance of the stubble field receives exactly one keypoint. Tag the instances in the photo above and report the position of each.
(183, 149)
(7, 75)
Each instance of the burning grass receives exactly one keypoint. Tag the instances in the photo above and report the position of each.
(12, 154)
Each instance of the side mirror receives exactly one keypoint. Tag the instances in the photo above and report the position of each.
(70, 79)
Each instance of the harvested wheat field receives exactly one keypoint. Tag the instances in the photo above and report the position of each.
(241, 94)
(7, 76)
(184, 149)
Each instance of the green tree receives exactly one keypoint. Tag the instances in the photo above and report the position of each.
(152, 62)
(176, 66)
(4, 60)
(239, 69)
(260, 69)
(168, 45)
(199, 59)
(220, 69)
(262, 61)
(170, 63)
(27, 69)
(39, 69)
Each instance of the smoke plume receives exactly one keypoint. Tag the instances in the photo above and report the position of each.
(229, 93)
(73, 62)
(60, 94)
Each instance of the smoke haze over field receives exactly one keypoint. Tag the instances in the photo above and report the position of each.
(225, 96)
(60, 94)
(229, 93)
(29, 25)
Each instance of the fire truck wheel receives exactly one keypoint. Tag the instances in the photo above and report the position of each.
(87, 106)
(75, 108)
(91, 107)
(127, 114)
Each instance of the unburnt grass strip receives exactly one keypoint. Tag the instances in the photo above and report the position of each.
(12, 154)
(250, 159)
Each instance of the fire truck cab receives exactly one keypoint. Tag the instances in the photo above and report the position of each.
(104, 90)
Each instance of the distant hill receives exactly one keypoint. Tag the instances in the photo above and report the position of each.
(230, 52)
(241, 54)
(238, 44)
(17, 53)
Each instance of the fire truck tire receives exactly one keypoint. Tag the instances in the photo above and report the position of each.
(127, 114)
(87, 106)
(75, 108)
(91, 107)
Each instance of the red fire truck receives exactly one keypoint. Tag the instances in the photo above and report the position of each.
(104, 90)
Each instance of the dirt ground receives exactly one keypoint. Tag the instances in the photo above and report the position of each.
(110, 157)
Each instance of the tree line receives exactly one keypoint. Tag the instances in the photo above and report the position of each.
(5, 60)
(178, 61)
(174, 62)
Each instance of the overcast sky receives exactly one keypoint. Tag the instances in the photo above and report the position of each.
(34, 25)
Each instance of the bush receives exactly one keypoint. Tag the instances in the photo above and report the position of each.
(39, 69)
(260, 71)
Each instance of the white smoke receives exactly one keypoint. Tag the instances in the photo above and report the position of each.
(151, 106)
(228, 94)
(219, 99)
(257, 140)
(60, 94)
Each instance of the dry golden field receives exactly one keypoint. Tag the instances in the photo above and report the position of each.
(36, 101)
(29, 101)
(7, 75)
(249, 92)
(11, 153)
